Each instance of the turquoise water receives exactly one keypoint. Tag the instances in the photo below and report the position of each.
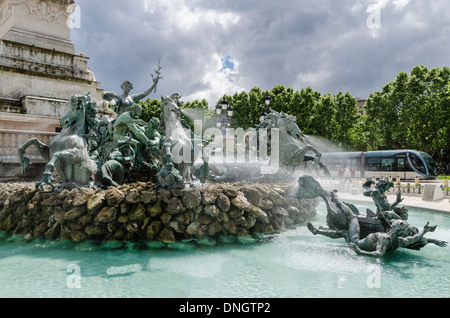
(291, 264)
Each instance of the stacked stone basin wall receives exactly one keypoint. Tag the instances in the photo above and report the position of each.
(138, 212)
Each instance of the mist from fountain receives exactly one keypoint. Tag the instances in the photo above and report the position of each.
(227, 161)
(324, 145)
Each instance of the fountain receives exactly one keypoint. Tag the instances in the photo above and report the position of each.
(123, 179)
(127, 208)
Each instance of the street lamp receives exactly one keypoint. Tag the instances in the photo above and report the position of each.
(263, 114)
(267, 100)
(224, 104)
(230, 111)
(224, 113)
(218, 110)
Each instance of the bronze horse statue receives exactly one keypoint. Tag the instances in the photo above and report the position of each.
(185, 148)
(293, 152)
(67, 152)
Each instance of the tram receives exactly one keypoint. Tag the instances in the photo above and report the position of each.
(406, 164)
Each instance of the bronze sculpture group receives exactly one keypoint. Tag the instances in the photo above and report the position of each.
(292, 153)
(372, 234)
(92, 151)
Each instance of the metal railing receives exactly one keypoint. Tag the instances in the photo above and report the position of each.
(355, 185)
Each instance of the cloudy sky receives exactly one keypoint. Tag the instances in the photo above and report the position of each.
(208, 48)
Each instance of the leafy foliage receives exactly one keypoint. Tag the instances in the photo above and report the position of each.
(150, 108)
(190, 112)
(412, 111)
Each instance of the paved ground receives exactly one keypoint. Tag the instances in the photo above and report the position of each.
(442, 205)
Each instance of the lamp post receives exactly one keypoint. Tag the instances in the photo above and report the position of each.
(267, 101)
(224, 113)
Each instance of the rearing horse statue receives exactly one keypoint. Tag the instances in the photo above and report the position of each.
(67, 152)
(293, 152)
(184, 148)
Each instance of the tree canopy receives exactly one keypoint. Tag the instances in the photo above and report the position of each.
(410, 112)
(413, 111)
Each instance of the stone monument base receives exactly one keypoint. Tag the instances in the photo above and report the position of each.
(432, 192)
(136, 212)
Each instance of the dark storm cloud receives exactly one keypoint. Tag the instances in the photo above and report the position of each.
(114, 34)
(325, 44)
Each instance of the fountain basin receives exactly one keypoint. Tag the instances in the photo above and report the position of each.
(293, 264)
(137, 212)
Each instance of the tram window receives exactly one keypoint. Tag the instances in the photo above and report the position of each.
(408, 166)
(401, 164)
(374, 164)
(332, 163)
(417, 163)
(352, 163)
(430, 163)
(387, 164)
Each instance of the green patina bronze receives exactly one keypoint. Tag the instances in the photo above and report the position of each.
(122, 103)
(371, 234)
(92, 151)
(102, 152)
(293, 151)
(182, 148)
(67, 153)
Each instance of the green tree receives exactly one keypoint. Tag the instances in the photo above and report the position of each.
(425, 115)
(304, 104)
(282, 99)
(242, 116)
(150, 108)
(200, 111)
(382, 113)
(323, 119)
(345, 118)
(191, 111)
(362, 138)
(247, 107)
(413, 112)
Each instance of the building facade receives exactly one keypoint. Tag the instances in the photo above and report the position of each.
(361, 105)
(39, 72)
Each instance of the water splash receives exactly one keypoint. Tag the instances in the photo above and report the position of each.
(195, 113)
(324, 145)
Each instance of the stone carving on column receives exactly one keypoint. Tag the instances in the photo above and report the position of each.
(41, 8)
